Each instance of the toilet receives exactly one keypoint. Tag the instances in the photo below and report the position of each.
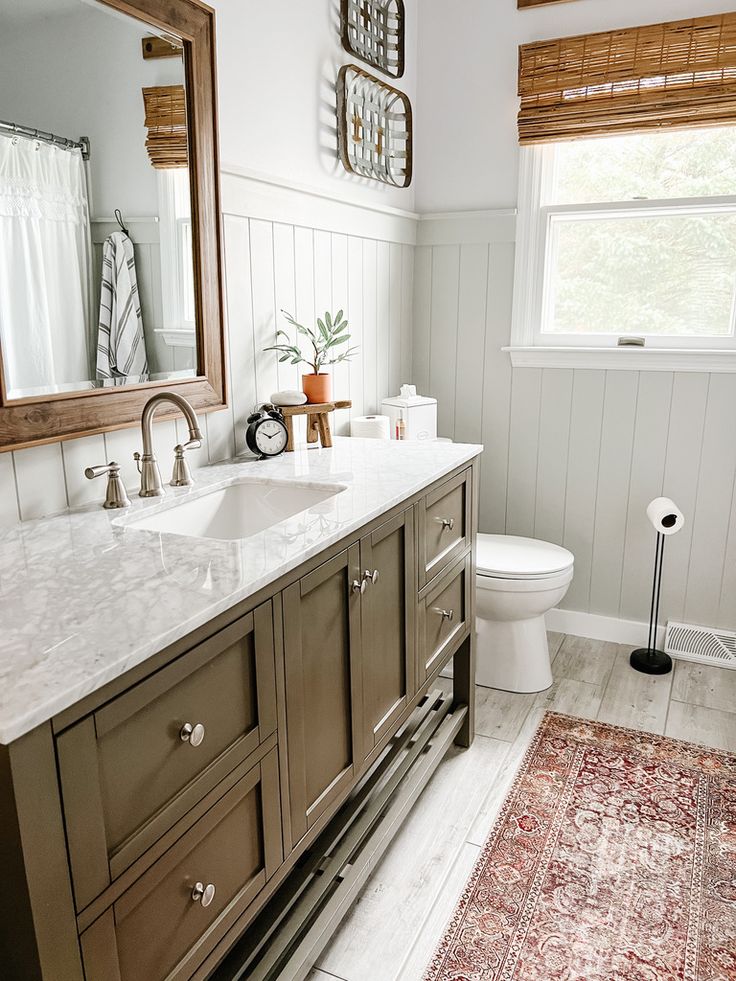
(518, 581)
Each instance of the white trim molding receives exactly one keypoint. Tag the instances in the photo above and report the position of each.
(249, 194)
(596, 627)
(623, 358)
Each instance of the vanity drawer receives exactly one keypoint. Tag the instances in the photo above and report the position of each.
(444, 526)
(137, 765)
(443, 616)
(160, 928)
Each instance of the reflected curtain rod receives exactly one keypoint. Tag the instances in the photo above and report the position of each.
(36, 134)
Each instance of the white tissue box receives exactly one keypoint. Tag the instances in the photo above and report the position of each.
(418, 412)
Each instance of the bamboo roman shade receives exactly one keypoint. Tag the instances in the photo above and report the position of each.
(166, 121)
(678, 74)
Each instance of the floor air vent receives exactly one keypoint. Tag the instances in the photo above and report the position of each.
(703, 644)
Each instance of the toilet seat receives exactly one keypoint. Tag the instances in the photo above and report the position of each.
(515, 559)
(536, 584)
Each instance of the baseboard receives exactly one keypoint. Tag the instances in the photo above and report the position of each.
(597, 627)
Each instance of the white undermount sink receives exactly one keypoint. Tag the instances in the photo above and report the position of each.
(236, 511)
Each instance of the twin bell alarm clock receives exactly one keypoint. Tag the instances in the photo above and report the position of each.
(266, 434)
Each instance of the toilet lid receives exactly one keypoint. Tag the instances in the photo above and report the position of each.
(508, 557)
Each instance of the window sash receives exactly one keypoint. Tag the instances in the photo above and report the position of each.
(532, 292)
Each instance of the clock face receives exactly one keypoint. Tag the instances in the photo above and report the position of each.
(270, 437)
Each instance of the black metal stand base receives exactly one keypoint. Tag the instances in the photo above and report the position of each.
(650, 662)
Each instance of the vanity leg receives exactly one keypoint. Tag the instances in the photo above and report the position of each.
(463, 689)
(289, 423)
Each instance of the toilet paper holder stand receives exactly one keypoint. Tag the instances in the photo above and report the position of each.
(649, 660)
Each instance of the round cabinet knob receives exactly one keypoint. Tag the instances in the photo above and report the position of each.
(372, 577)
(447, 523)
(358, 587)
(192, 734)
(203, 894)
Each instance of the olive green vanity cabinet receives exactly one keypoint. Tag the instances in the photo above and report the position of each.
(143, 829)
(388, 604)
(322, 655)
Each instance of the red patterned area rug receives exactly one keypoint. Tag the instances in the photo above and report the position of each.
(613, 859)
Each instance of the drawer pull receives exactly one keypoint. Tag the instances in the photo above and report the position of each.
(447, 523)
(194, 735)
(358, 587)
(448, 615)
(371, 577)
(203, 894)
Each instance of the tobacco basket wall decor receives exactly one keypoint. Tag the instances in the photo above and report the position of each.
(374, 31)
(374, 128)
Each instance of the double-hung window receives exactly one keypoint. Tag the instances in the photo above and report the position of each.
(626, 239)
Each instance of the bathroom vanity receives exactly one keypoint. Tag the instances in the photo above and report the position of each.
(183, 711)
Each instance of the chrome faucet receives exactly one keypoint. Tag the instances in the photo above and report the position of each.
(151, 485)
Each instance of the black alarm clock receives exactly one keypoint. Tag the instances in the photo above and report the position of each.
(266, 434)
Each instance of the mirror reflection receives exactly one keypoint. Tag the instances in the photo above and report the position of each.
(96, 253)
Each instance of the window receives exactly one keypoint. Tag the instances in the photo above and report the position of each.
(177, 256)
(627, 211)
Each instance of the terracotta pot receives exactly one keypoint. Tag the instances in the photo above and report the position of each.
(317, 388)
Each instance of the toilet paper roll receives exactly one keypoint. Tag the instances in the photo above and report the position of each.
(371, 427)
(665, 515)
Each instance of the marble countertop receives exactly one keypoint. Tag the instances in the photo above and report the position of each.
(83, 598)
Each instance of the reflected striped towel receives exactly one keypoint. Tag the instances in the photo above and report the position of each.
(121, 346)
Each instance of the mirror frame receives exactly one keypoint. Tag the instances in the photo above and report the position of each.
(51, 418)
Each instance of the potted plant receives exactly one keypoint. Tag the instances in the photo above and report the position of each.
(327, 342)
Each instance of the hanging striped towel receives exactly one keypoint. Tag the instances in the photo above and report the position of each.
(121, 346)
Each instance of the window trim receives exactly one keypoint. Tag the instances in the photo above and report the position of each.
(529, 347)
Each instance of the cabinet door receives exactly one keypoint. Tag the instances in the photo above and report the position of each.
(322, 653)
(389, 606)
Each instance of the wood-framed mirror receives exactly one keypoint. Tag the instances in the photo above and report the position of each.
(110, 236)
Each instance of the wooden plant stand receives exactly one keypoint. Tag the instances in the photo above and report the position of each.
(318, 422)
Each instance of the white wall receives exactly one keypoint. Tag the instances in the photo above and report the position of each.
(466, 113)
(278, 63)
(571, 456)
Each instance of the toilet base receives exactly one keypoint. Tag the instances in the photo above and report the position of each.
(513, 655)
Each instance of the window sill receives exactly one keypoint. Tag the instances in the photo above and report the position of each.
(624, 358)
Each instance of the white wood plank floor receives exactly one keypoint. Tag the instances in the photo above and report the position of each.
(391, 931)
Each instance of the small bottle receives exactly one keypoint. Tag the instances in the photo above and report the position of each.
(401, 426)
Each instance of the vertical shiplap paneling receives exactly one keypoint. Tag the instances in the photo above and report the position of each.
(526, 396)
(681, 477)
(264, 315)
(9, 513)
(496, 402)
(647, 476)
(727, 600)
(711, 517)
(422, 332)
(284, 288)
(340, 372)
(383, 314)
(583, 458)
(240, 324)
(394, 318)
(406, 373)
(444, 318)
(554, 441)
(614, 474)
(39, 474)
(370, 327)
(471, 340)
(356, 318)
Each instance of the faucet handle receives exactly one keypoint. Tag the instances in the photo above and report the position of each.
(116, 496)
(182, 475)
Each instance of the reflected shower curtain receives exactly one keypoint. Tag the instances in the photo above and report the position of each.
(45, 263)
